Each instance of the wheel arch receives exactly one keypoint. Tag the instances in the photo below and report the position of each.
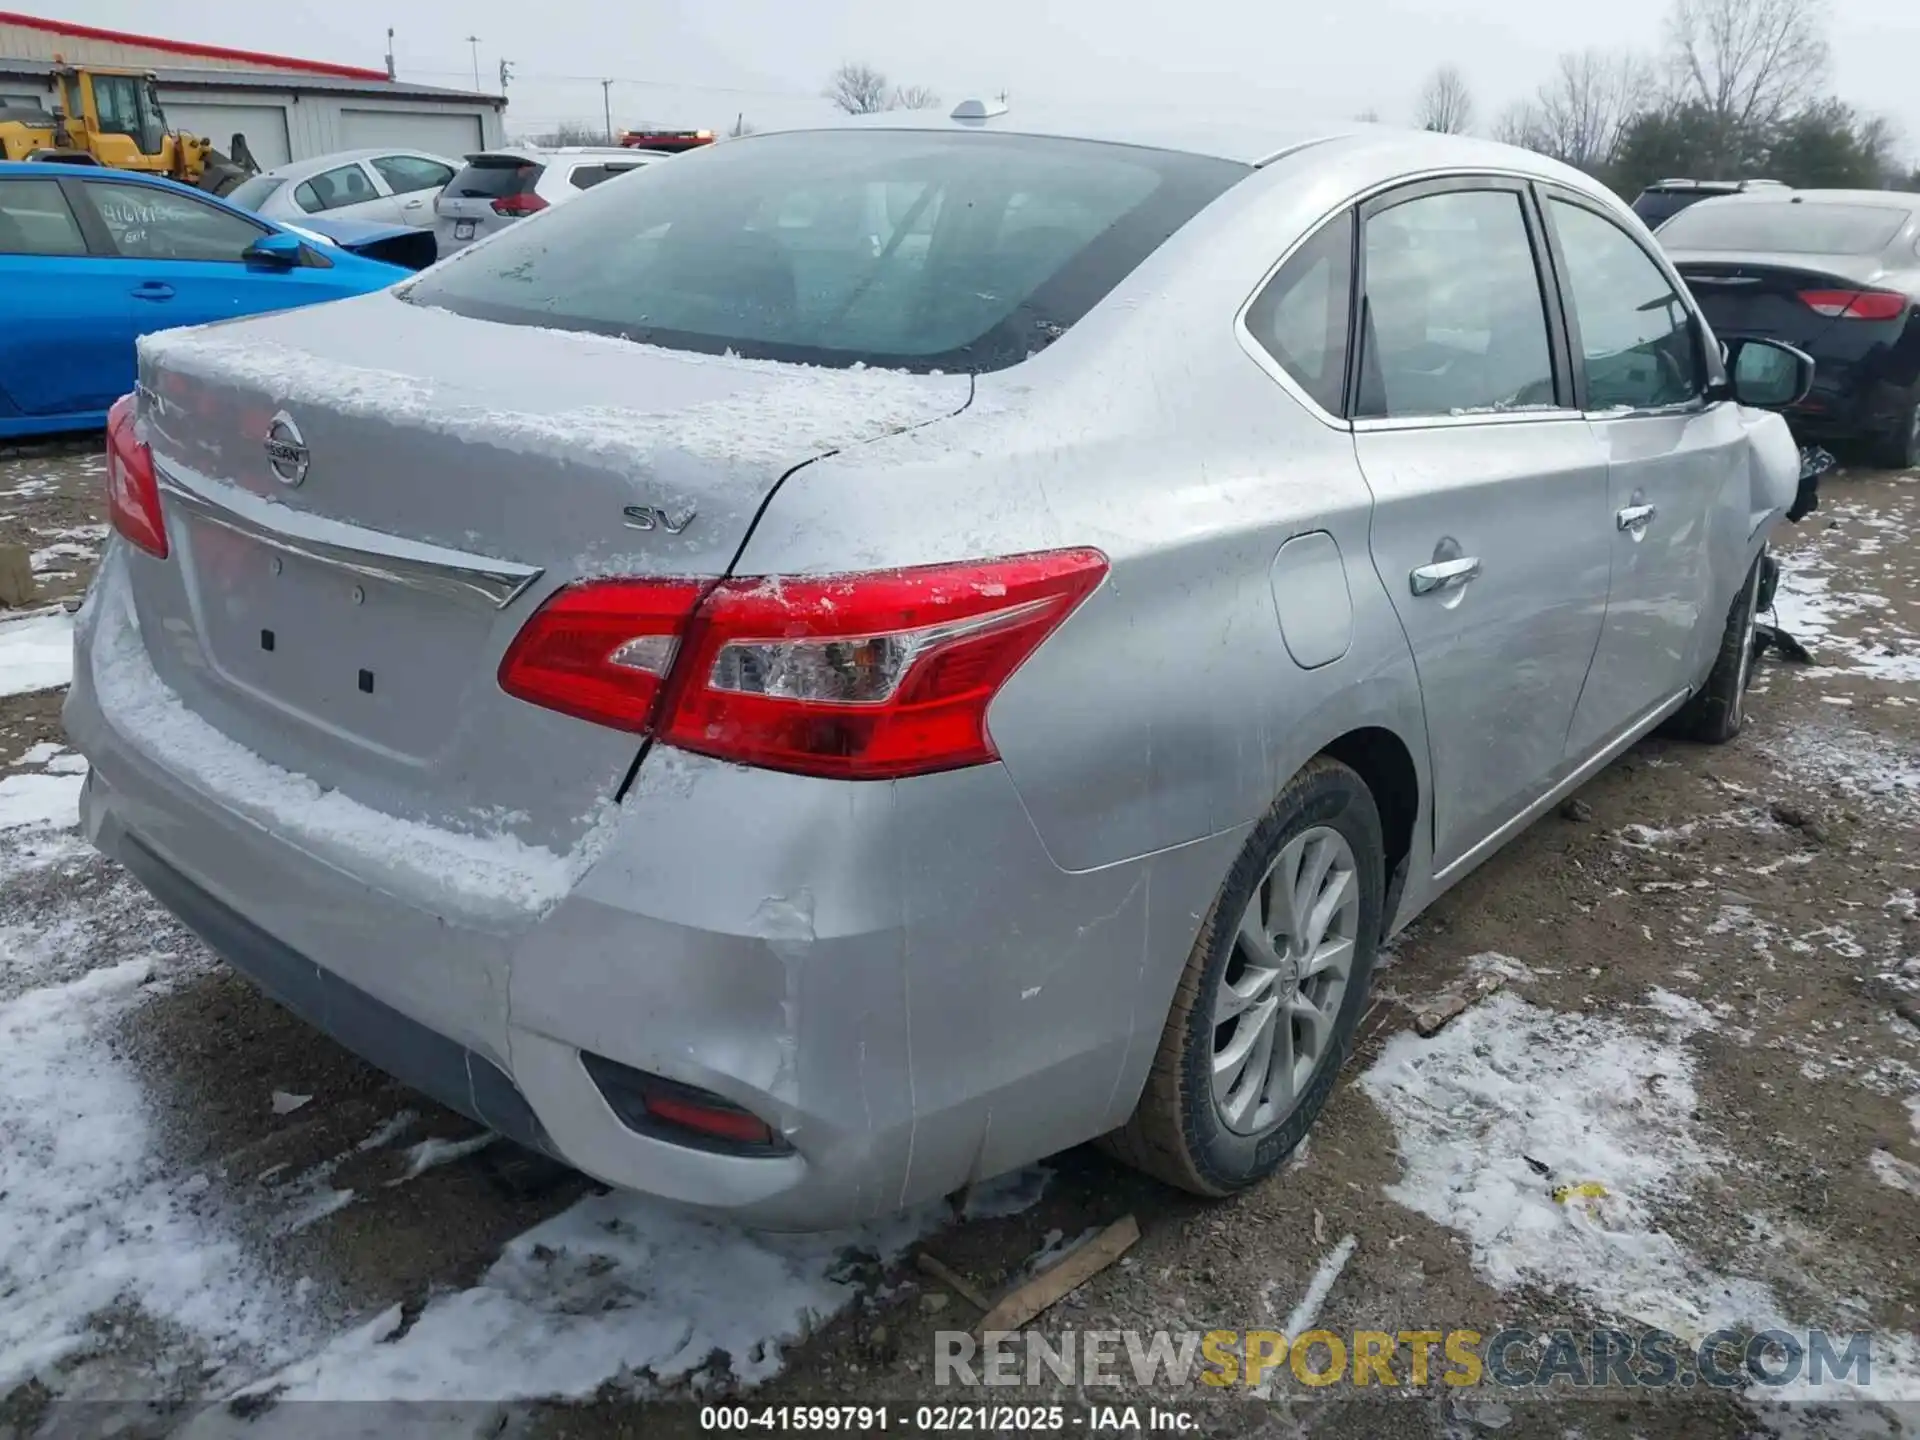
(1385, 764)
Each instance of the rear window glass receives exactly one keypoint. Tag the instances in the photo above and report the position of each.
(1791, 227)
(913, 250)
(488, 177)
(252, 194)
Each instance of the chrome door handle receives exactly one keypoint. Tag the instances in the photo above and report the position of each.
(1444, 574)
(1635, 517)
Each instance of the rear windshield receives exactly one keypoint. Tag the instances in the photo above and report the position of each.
(1654, 206)
(912, 250)
(1787, 226)
(252, 194)
(489, 177)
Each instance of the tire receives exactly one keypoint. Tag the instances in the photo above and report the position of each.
(1899, 448)
(1719, 711)
(1180, 1131)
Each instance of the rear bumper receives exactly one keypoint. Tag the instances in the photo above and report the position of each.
(895, 976)
(459, 1078)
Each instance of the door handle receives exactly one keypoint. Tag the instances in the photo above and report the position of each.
(153, 290)
(1444, 574)
(1635, 517)
(413, 204)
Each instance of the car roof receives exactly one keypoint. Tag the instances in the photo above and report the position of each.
(549, 152)
(1884, 199)
(319, 164)
(1250, 136)
(44, 168)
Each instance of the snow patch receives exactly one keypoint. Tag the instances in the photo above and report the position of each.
(1892, 1170)
(39, 801)
(36, 654)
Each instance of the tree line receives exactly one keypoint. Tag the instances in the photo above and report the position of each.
(1739, 91)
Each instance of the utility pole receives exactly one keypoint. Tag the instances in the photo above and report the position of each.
(474, 41)
(606, 101)
(506, 74)
(390, 70)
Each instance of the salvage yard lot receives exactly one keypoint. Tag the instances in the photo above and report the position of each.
(1708, 1005)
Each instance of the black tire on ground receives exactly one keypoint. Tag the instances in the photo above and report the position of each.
(1176, 1133)
(1717, 713)
(1899, 448)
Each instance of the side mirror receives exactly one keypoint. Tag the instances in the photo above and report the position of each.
(1768, 374)
(277, 251)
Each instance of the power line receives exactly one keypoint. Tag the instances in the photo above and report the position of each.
(538, 76)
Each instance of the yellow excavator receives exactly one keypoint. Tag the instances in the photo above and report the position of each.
(112, 117)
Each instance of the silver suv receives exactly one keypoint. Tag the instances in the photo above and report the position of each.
(497, 187)
(840, 665)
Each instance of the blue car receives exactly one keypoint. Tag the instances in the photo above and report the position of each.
(91, 259)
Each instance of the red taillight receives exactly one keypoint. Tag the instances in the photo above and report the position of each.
(1856, 304)
(133, 492)
(720, 1120)
(601, 649)
(859, 677)
(518, 204)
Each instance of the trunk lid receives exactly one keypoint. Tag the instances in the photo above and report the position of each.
(340, 607)
(1760, 294)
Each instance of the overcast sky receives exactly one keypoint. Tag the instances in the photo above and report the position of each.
(681, 63)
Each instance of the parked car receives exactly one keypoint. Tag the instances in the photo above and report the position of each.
(796, 721)
(497, 187)
(382, 186)
(1835, 273)
(1664, 199)
(407, 246)
(91, 259)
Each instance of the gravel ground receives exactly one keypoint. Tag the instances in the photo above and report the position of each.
(1699, 994)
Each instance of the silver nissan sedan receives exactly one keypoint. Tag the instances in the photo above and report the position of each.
(872, 654)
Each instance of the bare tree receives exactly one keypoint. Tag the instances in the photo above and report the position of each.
(858, 89)
(1582, 113)
(914, 97)
(1445, 103)
(1748, 62)
(1368, 116)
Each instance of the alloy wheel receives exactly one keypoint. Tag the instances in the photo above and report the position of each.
(1273, 1021)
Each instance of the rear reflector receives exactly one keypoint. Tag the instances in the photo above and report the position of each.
(1856, 304)
(859, 677)
(525, 204)
(683, 1114)
(133, 491)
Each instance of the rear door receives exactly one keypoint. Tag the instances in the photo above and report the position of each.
(1490, 522)
(66, 324)
(1641, 374)
(180, 258)
(415, 180)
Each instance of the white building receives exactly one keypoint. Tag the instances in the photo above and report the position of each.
(288, 109)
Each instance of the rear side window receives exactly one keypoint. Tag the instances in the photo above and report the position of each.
(1787, 226)
(1455, 320)
(405, 174)
(910, 249)
(585, 177)
(35, 219)
(490, 177)
(252, 194)
(148, 223)
(1301, 317)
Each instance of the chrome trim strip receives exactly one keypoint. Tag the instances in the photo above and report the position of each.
(413, 564)
(1592, 766)
(1442, 422)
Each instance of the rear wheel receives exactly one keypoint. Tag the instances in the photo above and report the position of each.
(1271, 994)
(1718, 712)
(1899, 448)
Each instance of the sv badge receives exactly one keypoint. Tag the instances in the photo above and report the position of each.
(652, 517)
